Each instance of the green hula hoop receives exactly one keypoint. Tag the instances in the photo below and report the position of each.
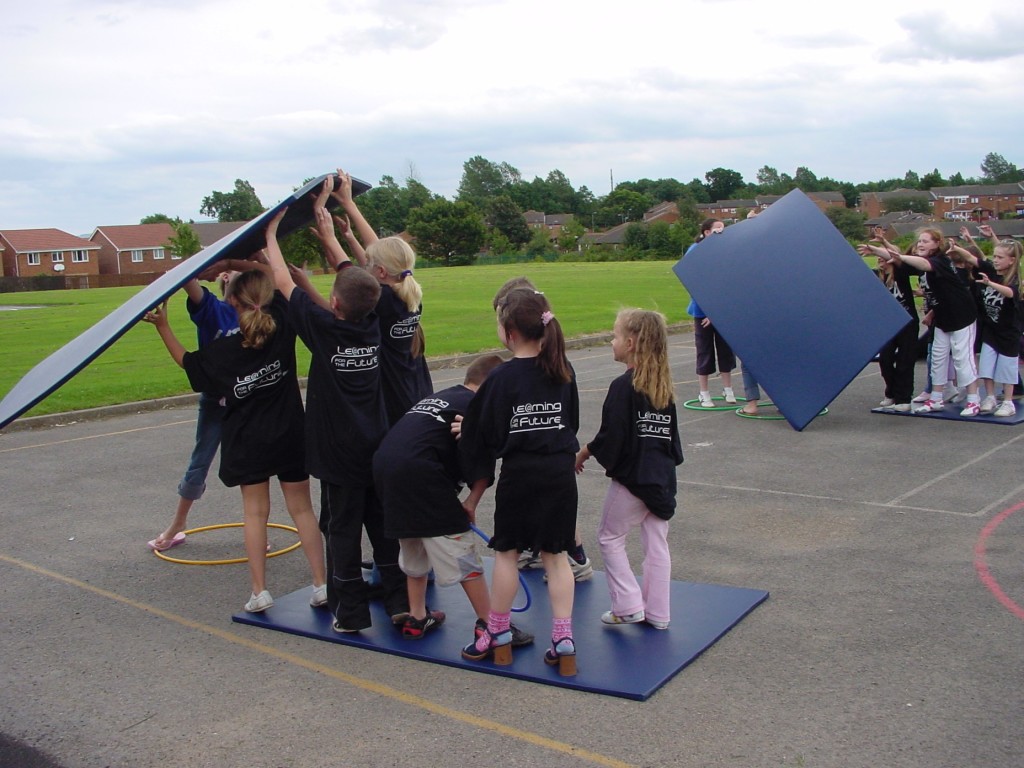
(694, 405)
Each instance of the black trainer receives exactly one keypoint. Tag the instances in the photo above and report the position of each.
(415, 629)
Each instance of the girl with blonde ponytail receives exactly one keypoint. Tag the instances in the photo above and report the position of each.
(638, 445)
(262, 436)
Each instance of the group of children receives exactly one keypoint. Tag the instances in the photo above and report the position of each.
(972, 308)
(391, 455)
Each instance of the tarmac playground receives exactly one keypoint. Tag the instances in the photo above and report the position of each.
(892, 548)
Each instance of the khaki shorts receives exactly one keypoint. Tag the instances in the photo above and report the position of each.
(454, 558)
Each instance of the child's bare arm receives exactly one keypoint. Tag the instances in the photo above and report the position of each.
(476, 492)
(302, 281)
(158, 317)
(279, 268)
(344, 196)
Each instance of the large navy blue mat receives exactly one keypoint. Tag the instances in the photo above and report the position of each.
(951, 412)
(795, 302)
(630, 661)
(47, 376)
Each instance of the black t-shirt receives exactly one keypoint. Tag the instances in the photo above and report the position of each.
(901, 288)
(1000, 315)
(639, 446)
(953, 303)
(344, 409)
(416, 469)
(262, 429)
(405, 379)
(518, 409)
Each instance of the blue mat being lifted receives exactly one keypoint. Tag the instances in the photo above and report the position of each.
(630, 661)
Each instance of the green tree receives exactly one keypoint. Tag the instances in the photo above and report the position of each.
(159, 218)
(623, 205)
(540, 243)
(722, 182)
(850, 223)
(184, 242)
(996, 169)
(505, 216)
(451, 234)
(483, 179)
(805, 179)
(570, 235)
(241, 204)
(933, 179)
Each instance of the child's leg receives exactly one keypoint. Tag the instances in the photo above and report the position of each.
(939, 363)
(255, 513)
(561, 585)
(622, 512)
(417, 589)
(726, 362)
(300, 507)
(505, 581)
(657, 568)
(479, 598)
(385, 557)
(341, 520)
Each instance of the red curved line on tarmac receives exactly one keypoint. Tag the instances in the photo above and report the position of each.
(982, 567)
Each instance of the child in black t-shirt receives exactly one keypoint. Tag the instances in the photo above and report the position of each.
(262, 436)
(416, 471)
(345, 423)
(527, 414)
(638, 445)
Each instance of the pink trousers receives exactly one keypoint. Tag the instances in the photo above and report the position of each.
(622, 513)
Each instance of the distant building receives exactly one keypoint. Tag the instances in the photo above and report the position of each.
(31, 252)
(132, 249)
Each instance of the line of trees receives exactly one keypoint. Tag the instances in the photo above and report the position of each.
(487, 211)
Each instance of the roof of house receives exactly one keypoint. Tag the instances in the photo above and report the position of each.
(913, 193)
(209, 232)
(33, 240)
(125, 237)
(1014, 188)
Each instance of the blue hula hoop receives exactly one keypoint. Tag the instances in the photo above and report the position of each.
(522, 581)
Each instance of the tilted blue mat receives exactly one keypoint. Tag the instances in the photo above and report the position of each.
(47, 376)
(951, 412)
(630, 661)
(795, 302)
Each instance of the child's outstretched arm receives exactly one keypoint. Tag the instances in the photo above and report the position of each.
(302, 281)
(158, 317)
(353, 242)
(279, 268)
(344, 196)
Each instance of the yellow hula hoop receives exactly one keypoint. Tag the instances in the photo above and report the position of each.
(231, 561)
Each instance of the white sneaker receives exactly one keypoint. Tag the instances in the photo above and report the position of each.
(319, 596)
(988, 404)
(928, 406)
(958, 397)
(729, 395)
(887, 402)
(580, 571)
(259, 603)
(630, 618)
(922, 397)
(970, 410)
(705, 400)
(1006, 408)
(900, 408)
(657, 624)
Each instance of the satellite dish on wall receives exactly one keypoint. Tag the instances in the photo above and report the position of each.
(58, 267)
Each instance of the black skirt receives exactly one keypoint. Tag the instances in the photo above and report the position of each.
(535, 503)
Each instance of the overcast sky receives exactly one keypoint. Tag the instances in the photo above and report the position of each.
(114, 109)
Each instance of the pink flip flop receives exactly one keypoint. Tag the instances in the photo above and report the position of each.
(179, 538)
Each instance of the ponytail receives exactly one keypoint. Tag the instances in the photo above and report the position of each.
(528, 313)
(252, 292)
(397, 258)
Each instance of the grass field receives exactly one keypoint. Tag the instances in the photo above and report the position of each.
(457, 318)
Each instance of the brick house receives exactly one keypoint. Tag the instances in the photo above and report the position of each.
(30, 252)
(977, 202)
(554, 222)
(876, 204)
(667, 211)
(133, 249)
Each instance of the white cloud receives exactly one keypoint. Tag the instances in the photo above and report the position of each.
(125, 108)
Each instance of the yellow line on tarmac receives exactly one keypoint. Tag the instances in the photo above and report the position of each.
(359, 682)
